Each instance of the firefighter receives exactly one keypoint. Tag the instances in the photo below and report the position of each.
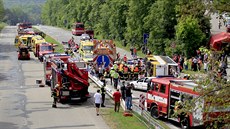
(125, 72)
(131, 67)
(55, 95)
(111, 72)
(136, 72)
(120, 69)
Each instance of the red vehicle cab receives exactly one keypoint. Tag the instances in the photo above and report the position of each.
(166, 95)
(90, 33)
(42, 49)
(24, 25)
(78, 29)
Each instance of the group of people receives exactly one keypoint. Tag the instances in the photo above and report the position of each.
(124, 93)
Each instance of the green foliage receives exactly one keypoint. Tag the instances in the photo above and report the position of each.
(222, 5)
(2, 25)
(1, 11)
(189, 36)
(161, 25)
(129, 20)
(213, 96)
(23, 11)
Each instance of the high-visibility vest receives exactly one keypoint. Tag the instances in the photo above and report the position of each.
(120, 67)
(136, 69)
(125, 69)
(131, 68)
(115, 75)
(111, 72)
(115, 66)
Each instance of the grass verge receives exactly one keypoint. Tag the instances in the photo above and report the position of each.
(118, 121)
(2, 25)
(59, 48)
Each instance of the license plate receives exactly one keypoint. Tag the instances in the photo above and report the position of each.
(65, 93)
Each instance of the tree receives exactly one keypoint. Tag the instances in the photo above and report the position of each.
(160, 24)
(189, 35)
(1, 11)
(138, 9)
(222, 5)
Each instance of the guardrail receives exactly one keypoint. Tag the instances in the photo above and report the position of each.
(145, 114)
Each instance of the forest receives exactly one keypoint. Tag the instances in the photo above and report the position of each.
(16, 11)
(178, 26)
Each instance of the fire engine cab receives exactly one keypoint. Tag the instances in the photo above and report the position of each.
(47, 64)
(72, 79)
(165, 96)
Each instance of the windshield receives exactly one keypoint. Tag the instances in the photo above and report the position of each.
(79, 26)
(46, 48)
(89, 48)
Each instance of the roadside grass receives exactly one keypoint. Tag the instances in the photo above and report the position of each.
(118, 121)
(59, 48)
(2, 25)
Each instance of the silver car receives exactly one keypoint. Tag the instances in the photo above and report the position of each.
(142, 83)
(85, 37)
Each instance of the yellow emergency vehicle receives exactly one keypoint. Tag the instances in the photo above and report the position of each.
(37, 39)
(160, 65)
(23, 40)
(86, 50)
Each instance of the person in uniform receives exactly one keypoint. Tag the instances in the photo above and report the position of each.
(55, 95)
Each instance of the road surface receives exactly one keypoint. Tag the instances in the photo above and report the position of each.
(24, 105)
(64, 35)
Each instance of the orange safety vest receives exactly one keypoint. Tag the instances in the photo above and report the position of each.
(136, 69)
(125, 69)
(120, 67)
(131, 68)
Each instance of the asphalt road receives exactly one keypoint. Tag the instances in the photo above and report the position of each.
(24, 105)
(64, 35)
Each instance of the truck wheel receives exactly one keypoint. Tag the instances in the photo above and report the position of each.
(154, 112)
(184, 123)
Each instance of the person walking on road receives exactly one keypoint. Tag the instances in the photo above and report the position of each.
(123, 90)
(111, 72)
(115, 79)
(103, 94)
(55, 96)
(128, 98)
(98, 98)
(117, 98)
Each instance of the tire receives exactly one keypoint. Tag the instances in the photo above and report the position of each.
(154, 112)
(184, 123)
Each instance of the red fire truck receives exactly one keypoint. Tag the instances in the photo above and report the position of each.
(47, 64)
(43, 48)
(72, 79)
(165, 95)
(78, 29)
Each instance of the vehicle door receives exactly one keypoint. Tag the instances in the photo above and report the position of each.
(162, 97)
(140, 83)
(145, 83)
